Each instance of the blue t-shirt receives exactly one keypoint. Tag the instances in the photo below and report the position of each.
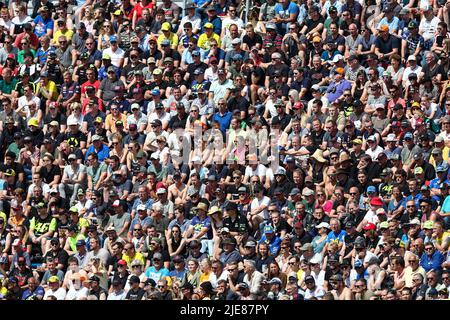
(102, 154)
(28, 295)
(156, 275)
(274, 244)
(200, 224)
(224, 120)
(285, 12)
(336, 238)
(41, 25)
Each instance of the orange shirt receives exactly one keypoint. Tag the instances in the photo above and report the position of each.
(110, 122)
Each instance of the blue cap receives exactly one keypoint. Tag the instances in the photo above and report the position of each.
(358, 264)
(442, 167)
(237, 57)
(371, 189)
(81, 242)
(268, 229)
(112, 39)
(195, 53)
(156, 92)
(165, 42)
(408, 135)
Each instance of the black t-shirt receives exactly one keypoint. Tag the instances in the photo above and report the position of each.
(240, 224)
(17, 167)
(283, 69)
(129, 70)
(49, 175)
(61, 257)
(318, 75)
(386, 46)
(252, 41)
(175, 120)
(191, 68)
(78, 136)
(430, 73)
(59, 117)
(311, 24)
(240, 104)
(135, 294)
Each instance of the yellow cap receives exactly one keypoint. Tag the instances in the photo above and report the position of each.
(33, 122)
(317, 39)
(209, 25)
(165, 26)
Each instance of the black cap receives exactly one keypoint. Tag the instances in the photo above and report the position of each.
(231, 206)
(134, 279)
(150, 282)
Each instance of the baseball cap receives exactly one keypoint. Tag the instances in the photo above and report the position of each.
(165, 26)
(268, 229)
(208, 25)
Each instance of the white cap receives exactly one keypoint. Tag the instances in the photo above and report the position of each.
(317, 258)
(415, 221)
(154, 155)
(391, 137)
(323, 225)
(412, 57)
(72, 122)
(16, 242)
(371, 138)
(141, 207)
(337, 58)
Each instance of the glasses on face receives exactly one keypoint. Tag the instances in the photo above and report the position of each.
(429, 249)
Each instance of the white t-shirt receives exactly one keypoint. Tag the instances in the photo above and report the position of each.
(374, 153)
(115, 56)
(23, 102)
(428, 28)
(257, 203)
(260, 171)
(117, 295)
(59, 294)
(77, 294)
(195, 20)
(408, 71)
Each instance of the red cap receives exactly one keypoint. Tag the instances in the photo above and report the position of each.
(212, 59)
(122, 262)
(116, 204)
(376, 201)
(298, 225)
(370, 226)
(11, 56)
(419, 122)
(298, 105)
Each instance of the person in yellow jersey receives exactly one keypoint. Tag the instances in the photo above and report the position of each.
(205, 38)
(62, 31)
(46, 89)
(167, 34)
(130, 254)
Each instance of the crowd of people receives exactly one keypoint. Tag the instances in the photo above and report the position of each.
(281, 151)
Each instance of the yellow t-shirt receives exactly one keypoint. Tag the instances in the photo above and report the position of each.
(442, 238)
(204, 42)
(173, 38)
(68, 33)
(137, 256)
(51, 88)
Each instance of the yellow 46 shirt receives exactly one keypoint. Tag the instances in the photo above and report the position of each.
(204, 41)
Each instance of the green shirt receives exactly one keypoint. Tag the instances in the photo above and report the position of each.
(95, 173)
(6, 87)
